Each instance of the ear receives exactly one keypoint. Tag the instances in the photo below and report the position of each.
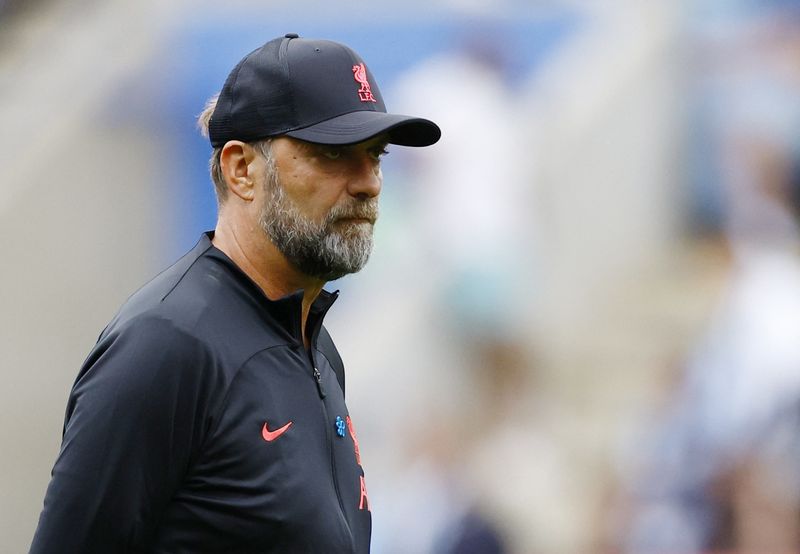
(238, 170)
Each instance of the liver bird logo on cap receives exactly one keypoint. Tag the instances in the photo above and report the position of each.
(360, 75)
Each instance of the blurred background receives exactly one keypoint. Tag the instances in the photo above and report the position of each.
(580, 328)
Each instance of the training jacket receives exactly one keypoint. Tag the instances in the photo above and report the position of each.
(200, 423)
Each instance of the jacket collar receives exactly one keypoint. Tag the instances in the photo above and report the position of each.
(285, 311)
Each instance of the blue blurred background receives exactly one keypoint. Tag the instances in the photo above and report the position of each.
(580, 328)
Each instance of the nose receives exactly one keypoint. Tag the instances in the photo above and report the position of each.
(365, 178)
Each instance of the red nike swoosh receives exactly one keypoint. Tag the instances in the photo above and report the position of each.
(270, 436)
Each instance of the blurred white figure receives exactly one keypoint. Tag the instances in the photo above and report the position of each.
(469, 189)
(475, 250)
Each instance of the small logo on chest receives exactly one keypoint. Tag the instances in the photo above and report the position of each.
(340, 425)
(270, 436)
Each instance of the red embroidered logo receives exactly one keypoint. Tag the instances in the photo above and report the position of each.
(270, 436)
(360, 75)
(355, 440)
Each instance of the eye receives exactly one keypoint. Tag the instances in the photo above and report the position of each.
(332, 153)
(378, 152)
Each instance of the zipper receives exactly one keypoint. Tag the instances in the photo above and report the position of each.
(318, 378)
(329, 439)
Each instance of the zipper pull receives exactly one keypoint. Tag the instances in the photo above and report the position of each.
(318, 377)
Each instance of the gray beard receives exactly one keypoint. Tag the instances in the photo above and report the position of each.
(327, 250)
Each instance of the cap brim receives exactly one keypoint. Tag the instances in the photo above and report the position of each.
(354, 127)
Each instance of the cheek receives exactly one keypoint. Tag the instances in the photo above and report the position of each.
(320, 193)
(317, 202)
(314, 186)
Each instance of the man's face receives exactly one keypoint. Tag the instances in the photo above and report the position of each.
(321, 204)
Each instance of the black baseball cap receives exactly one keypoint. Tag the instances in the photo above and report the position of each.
(315, 90)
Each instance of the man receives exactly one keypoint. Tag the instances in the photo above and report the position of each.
(210, 416)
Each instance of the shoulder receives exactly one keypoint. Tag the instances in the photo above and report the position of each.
(146, 349)
(198, 302)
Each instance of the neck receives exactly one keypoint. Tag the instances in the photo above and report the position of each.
(260, 260)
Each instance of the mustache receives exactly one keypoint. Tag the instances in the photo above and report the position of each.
(355, 209)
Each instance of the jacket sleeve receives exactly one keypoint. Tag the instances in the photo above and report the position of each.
(136, 416)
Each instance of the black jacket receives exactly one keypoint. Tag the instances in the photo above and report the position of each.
(200, 423)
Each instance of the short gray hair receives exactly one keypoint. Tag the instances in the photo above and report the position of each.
(214, 166)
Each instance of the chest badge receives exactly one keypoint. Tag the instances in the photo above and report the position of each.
(270, 436)
(340, 426)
